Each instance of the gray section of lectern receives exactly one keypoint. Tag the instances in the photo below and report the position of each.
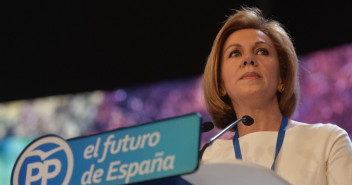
(234, 173)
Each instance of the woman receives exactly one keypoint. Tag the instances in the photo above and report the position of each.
(252, 70)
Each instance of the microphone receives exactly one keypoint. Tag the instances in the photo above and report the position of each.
(207, 126)
(246, 120)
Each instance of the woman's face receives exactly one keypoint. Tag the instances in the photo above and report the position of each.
(249, 66)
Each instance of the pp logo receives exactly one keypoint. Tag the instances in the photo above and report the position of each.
(47, 160)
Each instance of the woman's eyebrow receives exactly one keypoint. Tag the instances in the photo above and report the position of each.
(262, 42)
(233, 45)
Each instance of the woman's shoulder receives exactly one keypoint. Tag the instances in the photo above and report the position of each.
(316, 128)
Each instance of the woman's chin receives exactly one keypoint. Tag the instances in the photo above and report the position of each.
(254, 93)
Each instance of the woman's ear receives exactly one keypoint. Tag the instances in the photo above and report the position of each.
(222, 91)
(280, 87)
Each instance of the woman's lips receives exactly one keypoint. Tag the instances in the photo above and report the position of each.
(250, 75)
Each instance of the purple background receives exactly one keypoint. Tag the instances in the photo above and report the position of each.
(326, 97)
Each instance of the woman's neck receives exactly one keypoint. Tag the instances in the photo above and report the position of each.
(266, 118)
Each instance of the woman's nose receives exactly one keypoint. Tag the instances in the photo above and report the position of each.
(249, 62)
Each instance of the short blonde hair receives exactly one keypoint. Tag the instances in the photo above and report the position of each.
(220, 107)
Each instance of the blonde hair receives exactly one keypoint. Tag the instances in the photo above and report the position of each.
(220, 107)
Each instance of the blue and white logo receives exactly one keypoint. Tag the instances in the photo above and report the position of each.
(47, 160)
(123, 156)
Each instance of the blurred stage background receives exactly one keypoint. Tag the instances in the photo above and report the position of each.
(79, 68)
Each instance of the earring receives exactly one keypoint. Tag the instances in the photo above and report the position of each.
(282, 89)
(222, 91)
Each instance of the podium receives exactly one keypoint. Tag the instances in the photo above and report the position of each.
(151, 151)
(234, 173)
(161, 152)
(239, 172)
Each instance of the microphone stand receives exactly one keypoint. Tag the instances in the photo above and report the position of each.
(247, 120)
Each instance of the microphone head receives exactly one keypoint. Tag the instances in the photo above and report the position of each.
(247, 120)
(207, 126)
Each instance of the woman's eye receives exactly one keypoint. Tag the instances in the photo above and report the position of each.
(263, 52)
(235, 53)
